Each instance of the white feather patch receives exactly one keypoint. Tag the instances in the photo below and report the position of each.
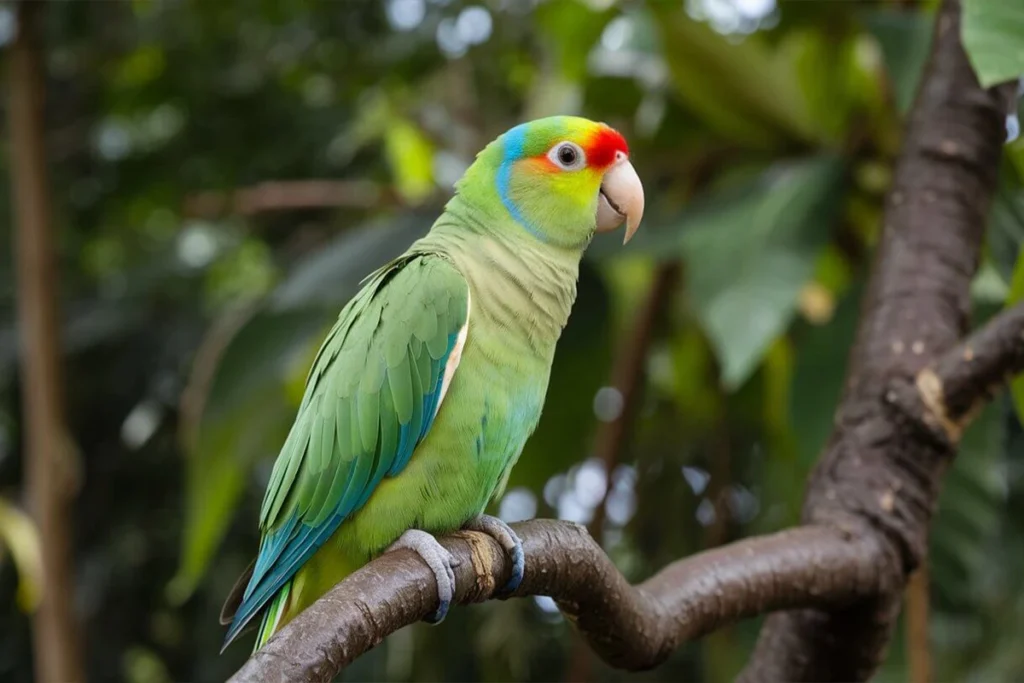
(455, 357)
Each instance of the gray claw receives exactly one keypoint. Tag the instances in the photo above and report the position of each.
(507, 538)
(440, 561)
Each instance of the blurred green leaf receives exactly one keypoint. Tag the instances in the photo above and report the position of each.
(1005, 234)
(970, 507)
(749, 250)
(411, 156)
(993, 35)
(743, 90)
(826, 69)
(1015, 297)
(327, 276)
(819, 359)
(141, 67)
(142, 665)
(905, 39)
(988, 286)
(20, 538)
(571, 27)
(245, 418)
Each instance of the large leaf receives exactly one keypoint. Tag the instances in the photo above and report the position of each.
(746, 91)
(1015, 297)
(245, 416)
(242, 394)
(749, 250)
(905, 39)
(993, 36)
(821, 357)
(1005, 234)
(571, 28)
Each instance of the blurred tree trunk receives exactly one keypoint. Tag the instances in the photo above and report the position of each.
(57, 655)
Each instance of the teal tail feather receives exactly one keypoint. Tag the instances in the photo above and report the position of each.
(272, 616)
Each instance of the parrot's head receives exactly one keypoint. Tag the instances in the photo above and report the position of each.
(562, 178)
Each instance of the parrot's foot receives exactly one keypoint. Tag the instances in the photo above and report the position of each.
(503, 534)
(440, 561)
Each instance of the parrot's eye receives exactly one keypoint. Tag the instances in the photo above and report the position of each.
(567, 156)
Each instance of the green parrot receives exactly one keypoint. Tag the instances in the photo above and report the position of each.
(425, 390)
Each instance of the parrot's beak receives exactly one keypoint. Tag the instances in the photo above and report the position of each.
(621, 199)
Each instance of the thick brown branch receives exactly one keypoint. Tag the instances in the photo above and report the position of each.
(879, 467)
(287, 195)
(631, 627)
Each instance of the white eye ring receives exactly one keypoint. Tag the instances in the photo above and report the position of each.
(568, 156)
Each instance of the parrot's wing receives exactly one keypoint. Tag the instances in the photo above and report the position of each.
(371, 396)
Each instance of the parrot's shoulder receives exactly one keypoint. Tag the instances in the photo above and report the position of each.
(405, 298)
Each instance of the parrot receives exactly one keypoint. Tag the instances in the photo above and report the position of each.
(427, 386)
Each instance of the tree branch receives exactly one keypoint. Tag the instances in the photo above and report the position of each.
(947, 394)
(284, 195)
(48, 470)
(879, 467)
(629, 627)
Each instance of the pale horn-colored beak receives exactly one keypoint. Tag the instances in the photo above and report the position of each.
(621, 199)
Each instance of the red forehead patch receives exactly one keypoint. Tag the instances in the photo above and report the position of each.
(603, 146)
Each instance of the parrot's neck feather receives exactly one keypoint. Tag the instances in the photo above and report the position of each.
(518, 282)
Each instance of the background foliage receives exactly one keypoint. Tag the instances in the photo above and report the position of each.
(765, 133)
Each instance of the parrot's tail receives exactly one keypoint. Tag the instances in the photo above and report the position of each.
(272, 616)
(317, 576)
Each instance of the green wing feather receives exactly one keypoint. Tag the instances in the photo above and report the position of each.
(371, 396)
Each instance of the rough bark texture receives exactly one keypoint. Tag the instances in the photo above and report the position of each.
(629, 627)
(951, 391)
(878, 474)
(911, 389)
(55, 632)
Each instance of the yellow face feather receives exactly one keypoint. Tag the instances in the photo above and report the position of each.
(548, 174)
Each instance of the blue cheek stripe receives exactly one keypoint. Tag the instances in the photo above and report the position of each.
(515, 141)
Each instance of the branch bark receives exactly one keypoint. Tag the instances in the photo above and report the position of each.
(839, 576)
(629, 627)
(877, 467)
(47, 480)
(944, 396)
